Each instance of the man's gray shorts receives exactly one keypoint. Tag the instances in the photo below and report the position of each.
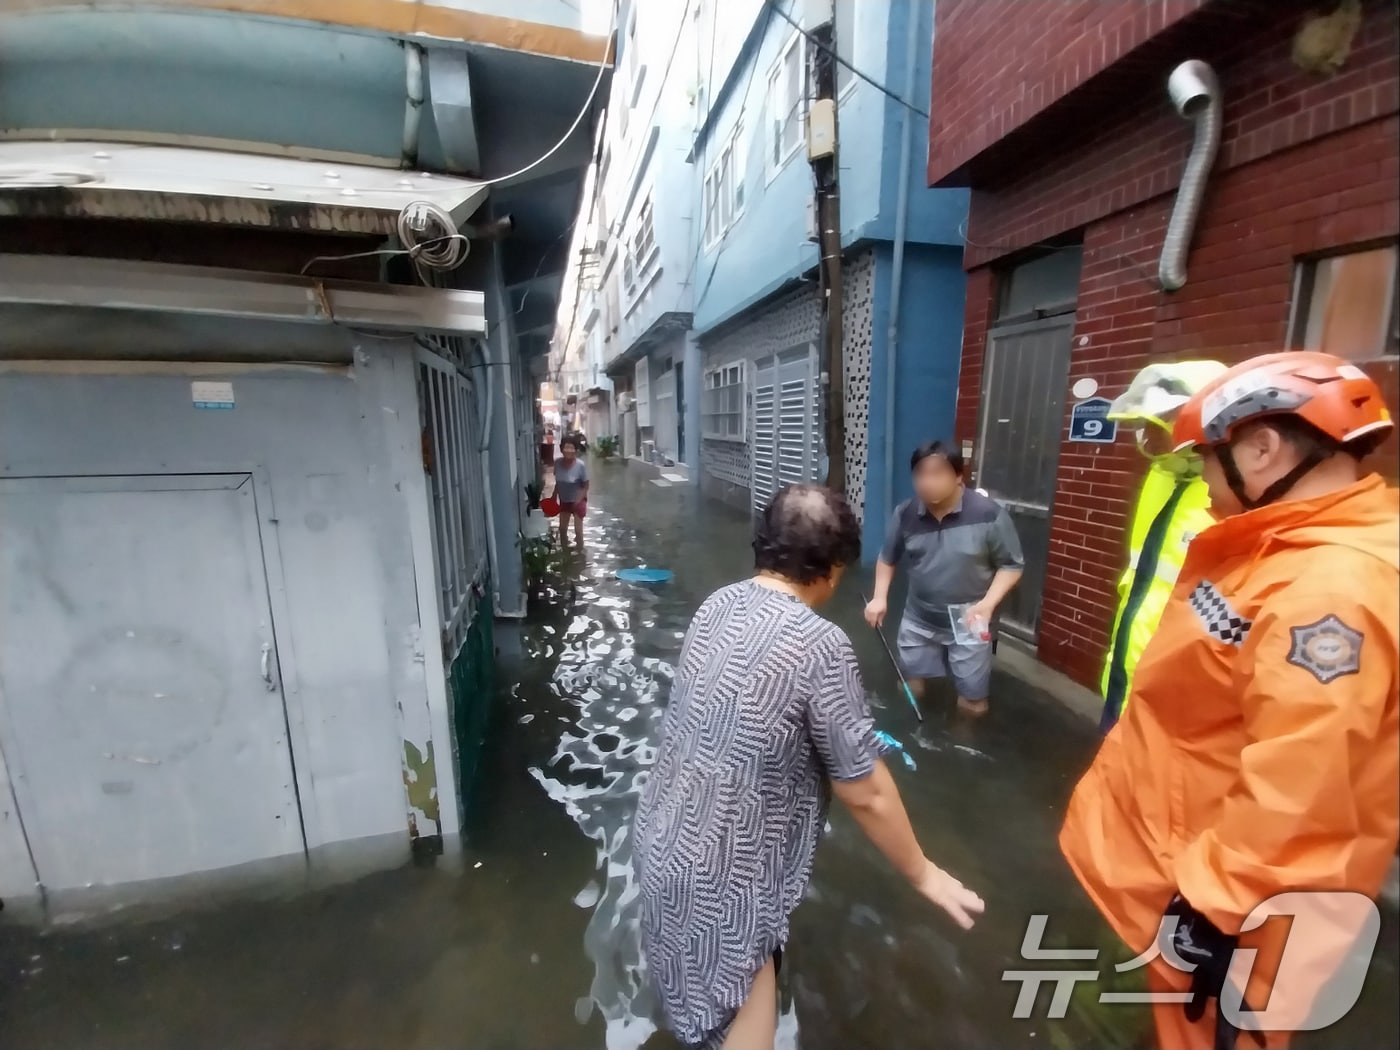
(932, 652)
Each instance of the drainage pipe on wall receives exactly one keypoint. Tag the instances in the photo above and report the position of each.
(901, 221)
(1195, 92)
(484, 449)
(413, 102)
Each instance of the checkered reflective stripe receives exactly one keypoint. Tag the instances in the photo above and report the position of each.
(1217, 616)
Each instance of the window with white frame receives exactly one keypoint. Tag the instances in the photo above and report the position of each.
(722, 410)
(629, 273)
(785, 103)
(724, 188)
(631, 60)
(613, 310)
(1345, 304)
(644, 250)
(664, 389)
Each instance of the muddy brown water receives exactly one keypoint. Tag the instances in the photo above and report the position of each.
(528, 942)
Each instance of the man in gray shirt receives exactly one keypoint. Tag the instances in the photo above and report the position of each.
(962, 550)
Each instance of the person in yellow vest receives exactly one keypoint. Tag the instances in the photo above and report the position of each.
(1173, 506)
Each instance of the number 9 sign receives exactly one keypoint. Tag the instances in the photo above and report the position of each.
(1088, 421)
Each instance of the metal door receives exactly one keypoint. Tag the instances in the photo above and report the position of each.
(680, 412)
(1022, 419)
(141, 712)
(784, 441)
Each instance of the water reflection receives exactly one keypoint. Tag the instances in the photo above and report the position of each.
(531, 943)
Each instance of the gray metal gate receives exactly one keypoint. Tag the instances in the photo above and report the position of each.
(785, 443)
(1022, 418)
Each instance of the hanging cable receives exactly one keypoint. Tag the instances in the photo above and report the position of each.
(859, 74)
(449, 249)
(582, 113)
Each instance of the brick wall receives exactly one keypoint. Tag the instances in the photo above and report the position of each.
(1000, 63)
(1270, 106)
(1308, 164)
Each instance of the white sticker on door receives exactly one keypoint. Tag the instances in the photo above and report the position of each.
(211, 395)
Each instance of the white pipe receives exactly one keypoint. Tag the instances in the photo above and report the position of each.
(1195, 92)
(413, 102)
(901, 221)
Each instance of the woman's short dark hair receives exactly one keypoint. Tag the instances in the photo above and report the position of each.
(805, 533)
(937, 448)
(569, 440)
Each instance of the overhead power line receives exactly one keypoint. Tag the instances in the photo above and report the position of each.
(858, 73)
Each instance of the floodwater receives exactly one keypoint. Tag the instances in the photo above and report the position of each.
(528, 942)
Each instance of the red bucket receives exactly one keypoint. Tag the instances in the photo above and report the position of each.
(550, 506)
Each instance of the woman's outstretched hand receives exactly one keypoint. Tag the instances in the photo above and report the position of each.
(949, 894)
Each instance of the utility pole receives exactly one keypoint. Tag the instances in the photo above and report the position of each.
(823, 154)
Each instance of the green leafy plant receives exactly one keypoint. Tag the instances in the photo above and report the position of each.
(606, 447)
(543, 559)
(533, 491)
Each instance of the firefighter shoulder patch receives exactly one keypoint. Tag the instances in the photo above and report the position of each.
(1329, 649)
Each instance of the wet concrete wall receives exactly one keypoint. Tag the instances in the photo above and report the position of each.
(337, 452)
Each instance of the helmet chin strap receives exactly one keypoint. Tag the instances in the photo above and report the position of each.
(1279, 488)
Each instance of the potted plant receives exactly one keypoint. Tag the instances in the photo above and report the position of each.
(606, 447)
(542, 560)
(536, 525)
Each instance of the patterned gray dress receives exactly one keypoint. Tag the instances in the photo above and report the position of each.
(767, 704)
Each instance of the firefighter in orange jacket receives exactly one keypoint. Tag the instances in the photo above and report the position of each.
(1260, 752)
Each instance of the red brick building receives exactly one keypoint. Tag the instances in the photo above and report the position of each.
(1056, 114)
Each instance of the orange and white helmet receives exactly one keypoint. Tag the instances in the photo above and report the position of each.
(1333, 395)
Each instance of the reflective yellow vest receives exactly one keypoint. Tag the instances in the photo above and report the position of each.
(1171, 510)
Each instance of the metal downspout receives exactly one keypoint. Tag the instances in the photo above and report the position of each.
(413, 102)
(901, 221)
(1195, 92)
(484, 449)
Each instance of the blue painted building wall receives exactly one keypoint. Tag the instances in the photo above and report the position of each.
(926, 371)
(767, 250)
(768, 247)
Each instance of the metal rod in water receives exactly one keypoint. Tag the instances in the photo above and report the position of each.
(908, 693)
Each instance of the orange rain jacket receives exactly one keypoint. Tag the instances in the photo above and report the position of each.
(1260, 752)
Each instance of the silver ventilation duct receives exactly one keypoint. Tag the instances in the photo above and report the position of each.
(1195, 92)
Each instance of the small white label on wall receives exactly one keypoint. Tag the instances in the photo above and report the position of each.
(1085, 388)
(211, 395)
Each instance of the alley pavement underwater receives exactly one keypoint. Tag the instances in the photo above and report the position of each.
(528, 941)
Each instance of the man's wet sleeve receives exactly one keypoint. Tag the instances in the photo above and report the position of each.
(838, 717)
(1314, 679)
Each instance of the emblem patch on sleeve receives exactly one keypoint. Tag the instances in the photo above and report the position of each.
(1328, 649)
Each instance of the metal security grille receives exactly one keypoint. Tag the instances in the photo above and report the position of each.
(794, 431)
(1022, 417)
(453, 463)
(785, 444)
(764, 485)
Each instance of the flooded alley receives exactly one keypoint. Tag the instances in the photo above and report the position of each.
(528, 940)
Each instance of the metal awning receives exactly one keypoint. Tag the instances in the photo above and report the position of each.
(115, 284)
(105, 180)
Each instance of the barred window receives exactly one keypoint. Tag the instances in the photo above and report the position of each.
(722, 410)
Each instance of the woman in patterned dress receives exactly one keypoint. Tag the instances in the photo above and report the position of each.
(767, 720)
